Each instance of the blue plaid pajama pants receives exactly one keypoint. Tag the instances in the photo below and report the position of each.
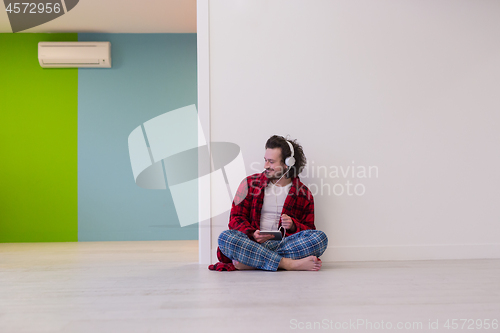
(237, 246)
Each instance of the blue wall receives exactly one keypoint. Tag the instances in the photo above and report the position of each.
(150, 75)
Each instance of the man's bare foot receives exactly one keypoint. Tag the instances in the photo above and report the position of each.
(239, 266)
(311, 263)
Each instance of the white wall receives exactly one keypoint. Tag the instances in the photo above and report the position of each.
(410, 87)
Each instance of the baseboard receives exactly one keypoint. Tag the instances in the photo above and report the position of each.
(412, 252)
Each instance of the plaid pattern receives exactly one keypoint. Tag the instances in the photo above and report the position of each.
(221, 267)
(249, 199)
(236, 245)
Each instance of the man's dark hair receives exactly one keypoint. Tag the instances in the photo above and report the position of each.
(277, 141)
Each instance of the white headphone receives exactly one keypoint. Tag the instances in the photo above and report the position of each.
(290, 161)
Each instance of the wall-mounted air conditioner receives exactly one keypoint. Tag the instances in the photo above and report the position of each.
(74, 54)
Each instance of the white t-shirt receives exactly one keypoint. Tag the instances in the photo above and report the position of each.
(274, 198)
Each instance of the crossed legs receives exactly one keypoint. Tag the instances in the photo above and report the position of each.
(299, 251)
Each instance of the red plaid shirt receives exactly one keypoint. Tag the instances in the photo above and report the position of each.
(248, 202)
(247, 205)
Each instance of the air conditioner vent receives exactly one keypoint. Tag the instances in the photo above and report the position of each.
(74, 54)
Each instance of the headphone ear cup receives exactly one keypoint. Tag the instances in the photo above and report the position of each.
(290, 161)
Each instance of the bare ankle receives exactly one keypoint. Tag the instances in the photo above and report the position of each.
(240, 266)
(310, 263)
(285, 263)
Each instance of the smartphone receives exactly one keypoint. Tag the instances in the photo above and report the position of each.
(277, 234)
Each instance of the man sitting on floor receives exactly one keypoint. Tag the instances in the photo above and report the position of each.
(266, 201)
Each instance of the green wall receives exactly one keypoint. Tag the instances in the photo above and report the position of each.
(38, 143)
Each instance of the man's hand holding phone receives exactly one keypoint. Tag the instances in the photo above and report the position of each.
(261, 238)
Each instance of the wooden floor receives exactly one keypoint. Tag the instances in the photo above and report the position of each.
(159, 287)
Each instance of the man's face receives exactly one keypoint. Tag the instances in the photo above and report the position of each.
(274, 165)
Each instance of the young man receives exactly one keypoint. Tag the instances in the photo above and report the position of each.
(266, 201)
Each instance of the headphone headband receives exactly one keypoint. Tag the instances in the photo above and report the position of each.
(290, 161)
